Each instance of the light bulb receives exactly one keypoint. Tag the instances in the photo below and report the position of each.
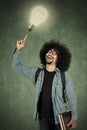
(38, 15)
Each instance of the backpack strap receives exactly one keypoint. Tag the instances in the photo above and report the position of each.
(37, 74)
(62, 73)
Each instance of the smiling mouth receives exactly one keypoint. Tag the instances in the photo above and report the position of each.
(49, 57)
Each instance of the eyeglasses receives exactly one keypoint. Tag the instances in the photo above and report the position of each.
(52, 52)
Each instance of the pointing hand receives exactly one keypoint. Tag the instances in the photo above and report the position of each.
(21, 43)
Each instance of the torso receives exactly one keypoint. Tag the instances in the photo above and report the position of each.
(45, 104)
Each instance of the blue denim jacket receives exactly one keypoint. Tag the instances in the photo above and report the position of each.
(58, 103)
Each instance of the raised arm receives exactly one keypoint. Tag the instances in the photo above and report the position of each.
(27, 71)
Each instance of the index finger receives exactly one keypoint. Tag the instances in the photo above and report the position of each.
(25, 37)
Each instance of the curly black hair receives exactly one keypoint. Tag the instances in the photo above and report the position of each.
(63, 53)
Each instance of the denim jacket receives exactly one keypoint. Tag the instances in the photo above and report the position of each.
(59, 106)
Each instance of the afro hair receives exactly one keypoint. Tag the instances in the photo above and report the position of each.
(64, 55)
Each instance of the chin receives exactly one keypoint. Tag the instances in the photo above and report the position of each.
(48, 62)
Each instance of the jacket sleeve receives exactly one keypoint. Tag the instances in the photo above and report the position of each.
(70, 93)
(27, 71)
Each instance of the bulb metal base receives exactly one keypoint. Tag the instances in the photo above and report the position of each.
(30, 28)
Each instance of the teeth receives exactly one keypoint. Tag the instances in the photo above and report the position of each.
(50, 57)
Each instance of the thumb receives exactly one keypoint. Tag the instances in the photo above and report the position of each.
(69, 124)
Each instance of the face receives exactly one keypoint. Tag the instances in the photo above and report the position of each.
(51, 57)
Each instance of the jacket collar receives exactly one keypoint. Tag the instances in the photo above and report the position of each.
(57, 70)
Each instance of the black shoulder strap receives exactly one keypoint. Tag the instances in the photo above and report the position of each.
(37, 74)
(62, 73)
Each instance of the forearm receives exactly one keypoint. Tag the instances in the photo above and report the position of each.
(16, 59)
(71, 95)
(27, 71)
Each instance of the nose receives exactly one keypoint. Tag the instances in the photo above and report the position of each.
(51, 52)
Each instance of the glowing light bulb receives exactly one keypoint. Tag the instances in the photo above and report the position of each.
(38, 15)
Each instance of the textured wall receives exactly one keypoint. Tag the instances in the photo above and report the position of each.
(67, 22)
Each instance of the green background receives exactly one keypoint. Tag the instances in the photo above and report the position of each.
(67, 22)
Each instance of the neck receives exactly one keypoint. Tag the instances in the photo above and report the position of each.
(50, 68)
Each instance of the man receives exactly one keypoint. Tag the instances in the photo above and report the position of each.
(49, 102)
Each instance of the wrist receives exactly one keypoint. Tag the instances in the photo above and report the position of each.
(18, 49)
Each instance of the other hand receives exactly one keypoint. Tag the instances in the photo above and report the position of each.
(72, 124)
